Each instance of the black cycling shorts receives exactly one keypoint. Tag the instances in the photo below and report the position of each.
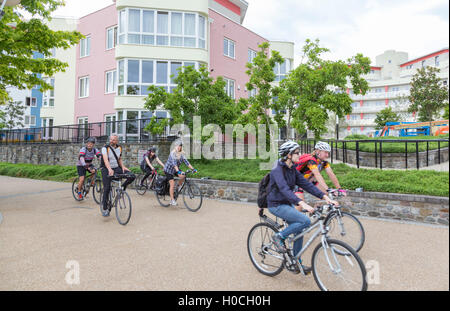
(82, 170)
(171, 176)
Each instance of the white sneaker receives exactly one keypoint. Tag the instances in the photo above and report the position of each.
(173, 202)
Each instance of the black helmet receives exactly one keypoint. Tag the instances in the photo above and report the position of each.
(90, 140)
(152, 149)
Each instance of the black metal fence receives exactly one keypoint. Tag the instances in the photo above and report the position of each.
(340, 148)
(127, 130)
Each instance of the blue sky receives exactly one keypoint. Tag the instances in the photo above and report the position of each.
(346, 27)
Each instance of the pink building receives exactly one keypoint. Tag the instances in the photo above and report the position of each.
(132, 44)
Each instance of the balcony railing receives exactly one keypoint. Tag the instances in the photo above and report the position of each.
(127, 130)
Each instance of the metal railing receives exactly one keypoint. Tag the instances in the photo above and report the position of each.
(127, 130)
(340, 148)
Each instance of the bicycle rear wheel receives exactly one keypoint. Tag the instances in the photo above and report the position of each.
(163, 199)
(123, 208)
(98, 190)
(75, 189)
(262, 251)
(192, 197)
(335, 272)
(141, 189)
(347, 229)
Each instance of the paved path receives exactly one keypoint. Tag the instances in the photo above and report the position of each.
(44, 229)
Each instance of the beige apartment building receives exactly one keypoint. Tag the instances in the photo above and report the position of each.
(389, 86)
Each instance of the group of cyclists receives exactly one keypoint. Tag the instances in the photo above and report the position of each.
(291, 175)
(111, 164)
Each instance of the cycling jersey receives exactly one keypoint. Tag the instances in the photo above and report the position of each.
(86, 156)
(309, 162)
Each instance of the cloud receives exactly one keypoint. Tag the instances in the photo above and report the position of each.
(354, 26)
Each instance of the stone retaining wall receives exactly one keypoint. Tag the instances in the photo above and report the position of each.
(394, 160)
(406, 207)
(67, 154)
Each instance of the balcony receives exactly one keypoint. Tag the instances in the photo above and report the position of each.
(381, 95)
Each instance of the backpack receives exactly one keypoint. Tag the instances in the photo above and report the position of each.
(161, 185)
(303, 160)
(263, 190)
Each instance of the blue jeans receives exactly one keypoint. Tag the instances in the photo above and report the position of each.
(296, 220)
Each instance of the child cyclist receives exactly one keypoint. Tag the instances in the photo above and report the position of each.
(311, 165)
(84, 164)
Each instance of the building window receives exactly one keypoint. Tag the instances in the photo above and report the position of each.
(135, 76)
(436, 61)
(85, 46)
(251, 55)
(111, 82)
(48, 98)
(228, 47)
(252, 93)
(111, 37)
(83, 87)
(30, 120)
(281, 70)
(31, 102)
(229, 87)
(163, 28)
(423, 63)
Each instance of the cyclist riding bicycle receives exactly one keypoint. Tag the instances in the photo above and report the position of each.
(146, 163)
(84, 163)
(172, 168)
(283, 203)
(311, 165)
(111, 163)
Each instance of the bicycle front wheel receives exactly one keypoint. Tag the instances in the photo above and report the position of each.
(262, 251)
(123, 208)
(98, 190)
(335, 272)
(192, 197)
(346, 228)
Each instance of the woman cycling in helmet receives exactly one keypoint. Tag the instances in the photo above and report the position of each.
(310, 166)
(283, 203)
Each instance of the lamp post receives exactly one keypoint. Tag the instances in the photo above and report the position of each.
(7, 3)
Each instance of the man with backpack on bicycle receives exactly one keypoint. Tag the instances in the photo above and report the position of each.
(283, 203)
(111, 163)
(85, 157)
(146, 163)
(311, 165)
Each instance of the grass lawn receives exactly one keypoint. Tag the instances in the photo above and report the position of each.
(411, 181)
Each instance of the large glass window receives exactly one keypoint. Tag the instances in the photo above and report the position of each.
(281, 70)
(164, 28)
(228, 47)
(229, 87)
(83, 87)
(110, 81)
(48, 98)
(135, 76)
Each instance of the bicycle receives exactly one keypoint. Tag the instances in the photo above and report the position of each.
(333, 262)
(119, 198)
(343, 225)
(192, 195)
(92, 180)
(148, 183)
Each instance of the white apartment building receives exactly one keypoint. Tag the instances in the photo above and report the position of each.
(389, 85)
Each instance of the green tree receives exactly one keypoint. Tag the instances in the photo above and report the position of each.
(196, 94)
(428, 96)
(12, 115)
(262, 77)
(445, 115)
(385, 115)
(317, 87)
(17, 44)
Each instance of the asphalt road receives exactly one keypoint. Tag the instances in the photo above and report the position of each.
(45, 235)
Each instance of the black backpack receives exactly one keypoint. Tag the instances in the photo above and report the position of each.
(263, 190)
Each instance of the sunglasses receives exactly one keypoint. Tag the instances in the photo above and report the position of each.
(297, 152)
